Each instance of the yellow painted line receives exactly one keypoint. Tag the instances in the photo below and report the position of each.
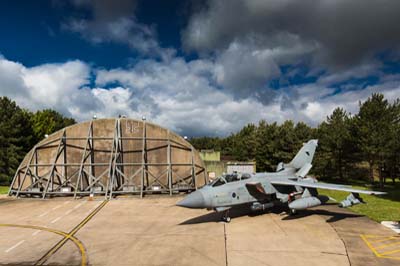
(90, 216)
(374, 236)
(393, 258)
(55, 248)
(390, 252)
(388, 245)
(382, 240)
(370, 246)
(383, 254)
(76, 241)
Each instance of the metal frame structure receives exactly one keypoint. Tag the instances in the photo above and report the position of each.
(65, 177)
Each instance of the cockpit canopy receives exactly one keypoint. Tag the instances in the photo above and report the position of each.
(228, 178)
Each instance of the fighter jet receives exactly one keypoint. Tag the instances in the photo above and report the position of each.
(289, 186)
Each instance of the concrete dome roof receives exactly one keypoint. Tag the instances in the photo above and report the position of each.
(110, 156)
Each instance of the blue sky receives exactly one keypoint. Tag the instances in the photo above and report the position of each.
(40, 27)
(199, 67)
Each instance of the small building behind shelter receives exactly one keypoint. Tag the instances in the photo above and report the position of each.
(216, 165)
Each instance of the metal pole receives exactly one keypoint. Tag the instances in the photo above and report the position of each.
(26, 171)
(65, 159)
(143, 157)
(205, 176)
(146, 165)
(36, 162)
(193, 168)
(169, 167)
(117, 135)
(82, 162)
(53, 167)
(110, 169)
(91, 146)
(121, 161)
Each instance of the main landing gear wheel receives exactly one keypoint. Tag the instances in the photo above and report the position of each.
(226, 217)
(292, 212)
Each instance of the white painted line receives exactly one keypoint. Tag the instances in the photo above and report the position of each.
(97, 205)
(55, 220)
(36, 232)
(43, 214)
(77, 206)
(92, 209)
(56, 207)
(16, 245)
(66, 202)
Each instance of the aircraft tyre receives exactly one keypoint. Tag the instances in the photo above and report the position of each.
(293, 212)
(226, 219)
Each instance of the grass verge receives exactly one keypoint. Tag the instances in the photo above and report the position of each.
(378, 208)
(4, 189)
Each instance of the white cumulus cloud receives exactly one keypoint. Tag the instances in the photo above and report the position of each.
(185, 96)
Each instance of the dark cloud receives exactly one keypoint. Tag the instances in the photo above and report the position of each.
(114, 21)
(343, 32)
(105, 10)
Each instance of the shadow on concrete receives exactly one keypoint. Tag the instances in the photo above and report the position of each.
(215, 217)
(332, 216)
(6, 200)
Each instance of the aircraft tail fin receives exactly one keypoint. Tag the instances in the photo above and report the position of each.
(305, 156)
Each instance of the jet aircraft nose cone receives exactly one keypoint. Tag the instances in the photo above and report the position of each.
(193, 200)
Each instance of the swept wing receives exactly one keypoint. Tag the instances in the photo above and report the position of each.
(324, 186)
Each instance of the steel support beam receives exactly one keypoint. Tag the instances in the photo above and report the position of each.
(83, 159)
(169, 167)
(144, 158)
(53, 168)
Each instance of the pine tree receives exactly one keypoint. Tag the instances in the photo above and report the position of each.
(334, 138)
(374, 124)
(15, 137)
(48, 121)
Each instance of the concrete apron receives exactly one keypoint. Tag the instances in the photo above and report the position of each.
(153, 231)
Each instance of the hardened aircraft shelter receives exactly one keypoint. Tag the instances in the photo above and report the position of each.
(109, 157)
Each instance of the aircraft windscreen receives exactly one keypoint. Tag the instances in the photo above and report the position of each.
(232, 177)
(245, 176)
(218, 182)
(228, 178)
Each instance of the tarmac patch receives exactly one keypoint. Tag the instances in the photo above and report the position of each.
(383, 246)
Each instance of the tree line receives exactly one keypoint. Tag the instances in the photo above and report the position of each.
(363, 146)
(20, 130)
